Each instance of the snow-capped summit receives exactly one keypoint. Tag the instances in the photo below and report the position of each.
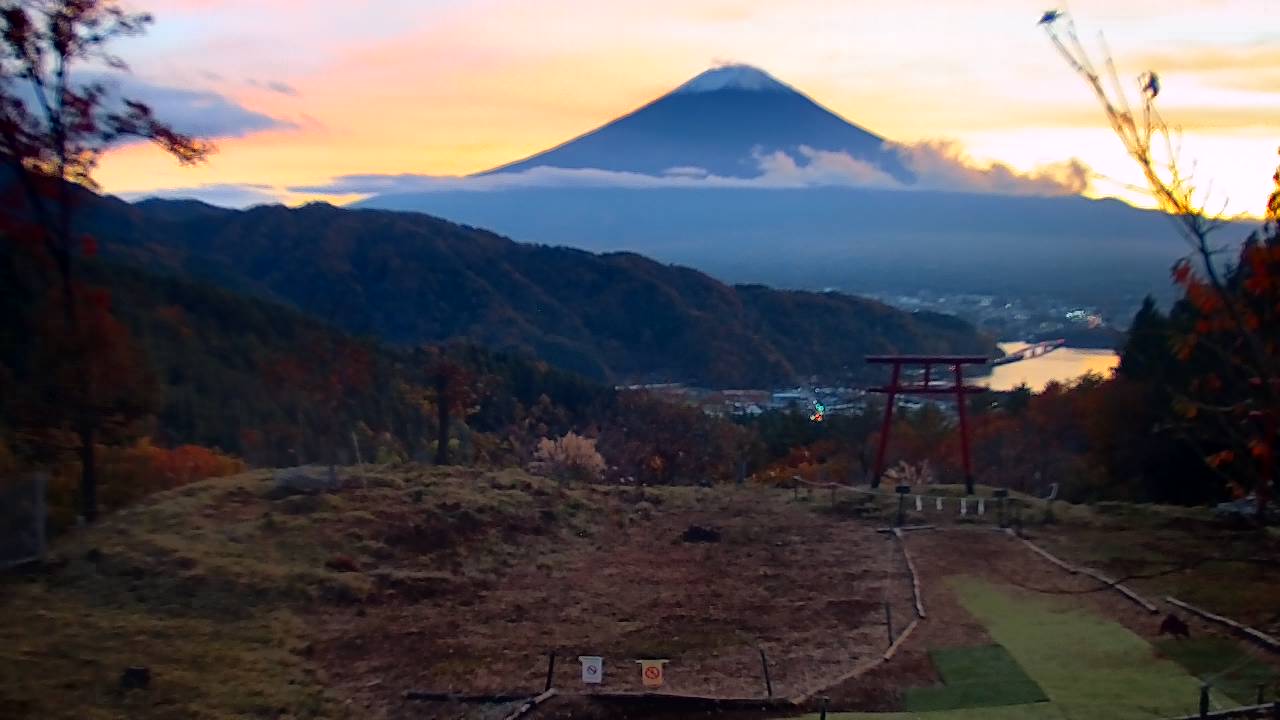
(723, 122)
(733, 77)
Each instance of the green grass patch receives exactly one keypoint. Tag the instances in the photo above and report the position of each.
(1088, 666)
(974, 677)
(1038, 711)
(1221, 663)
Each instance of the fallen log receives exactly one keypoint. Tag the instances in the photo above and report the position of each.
(1248, 711)
(1044, 553)
(1077, 569)
(858, 670)
(429, 696)
(893, 649)
(1257, 636)
(915, 579)
(532, 703)
(691, 702)
(1150, 607)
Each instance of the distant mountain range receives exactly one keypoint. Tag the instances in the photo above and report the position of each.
(866, 216)
(408, 278)
(852, 239)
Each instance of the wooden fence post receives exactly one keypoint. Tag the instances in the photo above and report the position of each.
(1003, 496)
(40, 514)
(888, 621)
(902, 503)
(768, 682)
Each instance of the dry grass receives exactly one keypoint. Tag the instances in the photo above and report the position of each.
(245, 604)
(213, 587)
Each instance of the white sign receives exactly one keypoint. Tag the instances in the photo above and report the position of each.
(592, 669)
(964, 506)
(919, 503)
(938, 505)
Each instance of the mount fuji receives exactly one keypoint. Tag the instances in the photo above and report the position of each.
(685, 179)
(718, 123)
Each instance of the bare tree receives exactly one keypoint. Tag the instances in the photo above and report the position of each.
(1233, 324)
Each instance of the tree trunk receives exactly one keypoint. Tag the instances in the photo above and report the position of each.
(442, 429)
(88, 472)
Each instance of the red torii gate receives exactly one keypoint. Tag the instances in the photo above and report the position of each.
(926, 387)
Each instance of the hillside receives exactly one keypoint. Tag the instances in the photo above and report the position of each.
(275, 387)
(245, 600)
(408, 278)
(256, 379)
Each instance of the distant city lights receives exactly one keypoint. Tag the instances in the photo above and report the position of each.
(819, 411)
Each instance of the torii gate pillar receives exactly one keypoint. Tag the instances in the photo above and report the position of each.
(926, 387)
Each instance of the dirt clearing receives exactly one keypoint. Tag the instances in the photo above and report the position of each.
(809, 589)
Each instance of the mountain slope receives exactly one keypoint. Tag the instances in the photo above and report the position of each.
(718, 122)
(411, 278)
(214, 356)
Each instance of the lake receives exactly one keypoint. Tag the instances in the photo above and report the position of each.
(1063, 365)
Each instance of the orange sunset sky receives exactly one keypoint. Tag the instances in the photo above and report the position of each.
(299, 92)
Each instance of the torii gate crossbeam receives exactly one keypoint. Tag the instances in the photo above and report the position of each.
(896, 387)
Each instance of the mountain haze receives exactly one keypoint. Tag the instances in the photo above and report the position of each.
(853, 239)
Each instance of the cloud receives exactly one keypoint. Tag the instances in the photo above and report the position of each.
(281, 87)
(938, 165)
(202, 113)
(943, 165)
(275, 86)
(236, 195)
(816, 168)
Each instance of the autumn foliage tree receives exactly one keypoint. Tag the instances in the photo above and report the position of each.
(1228, 315)
(54, 128)
(451, 391)
(1227, 332)
(322, 382)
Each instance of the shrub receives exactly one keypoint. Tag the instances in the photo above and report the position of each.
(571, 457)
(904, 473)
(127, 474)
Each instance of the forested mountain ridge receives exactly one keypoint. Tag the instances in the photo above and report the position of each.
(409, 278)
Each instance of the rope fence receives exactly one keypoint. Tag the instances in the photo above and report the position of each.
(1256, 636)
(925, 502)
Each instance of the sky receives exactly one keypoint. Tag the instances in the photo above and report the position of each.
(298, 92)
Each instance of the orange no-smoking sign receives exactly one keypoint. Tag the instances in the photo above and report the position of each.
(651, 672)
